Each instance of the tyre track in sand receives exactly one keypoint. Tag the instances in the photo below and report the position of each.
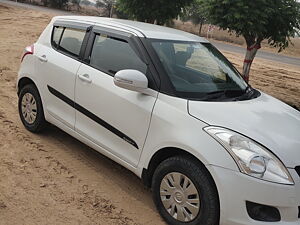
(63, 175)
(59, 183)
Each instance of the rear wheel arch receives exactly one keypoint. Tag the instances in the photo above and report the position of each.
(25, 81)
(28, 81)
(30, 106)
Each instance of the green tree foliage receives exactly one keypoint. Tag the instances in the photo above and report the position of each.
(120, 14)
(194, 12)
(256, 20)
(150, 11)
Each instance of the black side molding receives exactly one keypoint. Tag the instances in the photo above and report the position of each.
(92, 116)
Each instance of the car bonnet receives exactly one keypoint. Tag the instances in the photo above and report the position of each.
(265, 119)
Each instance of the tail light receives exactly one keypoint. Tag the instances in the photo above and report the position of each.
(29, 50)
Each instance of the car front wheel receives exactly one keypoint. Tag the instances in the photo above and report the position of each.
(184, 192)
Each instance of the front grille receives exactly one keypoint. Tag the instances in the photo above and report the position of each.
(298, 170)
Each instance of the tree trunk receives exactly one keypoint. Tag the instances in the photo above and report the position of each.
(111, 10)
(250, 55)
(152, 21)
(200, 28)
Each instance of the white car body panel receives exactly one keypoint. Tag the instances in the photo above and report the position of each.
(90, 143)
(27, 70)
(186, 133)
(127, 111)
(265, 119)
(51, 75)
(236, 188)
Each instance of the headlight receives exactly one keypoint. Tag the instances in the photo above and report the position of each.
(251, 158)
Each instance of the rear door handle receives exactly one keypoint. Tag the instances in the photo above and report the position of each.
(85, 78)
(43, 58)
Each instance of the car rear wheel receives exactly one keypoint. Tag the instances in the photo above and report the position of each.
(31, 109)
(184, 192)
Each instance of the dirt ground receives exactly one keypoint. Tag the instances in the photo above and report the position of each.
(54, 179)
(277, 79)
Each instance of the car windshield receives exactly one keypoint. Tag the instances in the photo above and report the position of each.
(198, 70)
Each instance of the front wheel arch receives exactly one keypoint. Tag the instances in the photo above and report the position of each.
(188, 166)
(164, 154)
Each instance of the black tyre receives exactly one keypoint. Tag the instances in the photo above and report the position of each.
(31, 109)
(184, 192)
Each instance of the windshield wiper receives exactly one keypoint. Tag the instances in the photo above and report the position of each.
(248, 89)
(248, 94)
(222, 95)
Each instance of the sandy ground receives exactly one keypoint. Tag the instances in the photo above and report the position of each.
(277, 79)
(54, 179)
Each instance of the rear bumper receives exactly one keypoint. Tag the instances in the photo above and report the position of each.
(236, 188)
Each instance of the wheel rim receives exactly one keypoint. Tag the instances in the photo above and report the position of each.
(29, 108)
(180, 197)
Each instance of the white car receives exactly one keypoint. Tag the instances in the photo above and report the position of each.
(170, 107)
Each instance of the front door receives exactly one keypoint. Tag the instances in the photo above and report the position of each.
(112, 117)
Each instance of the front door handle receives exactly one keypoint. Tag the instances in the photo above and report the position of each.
(85, 78)
(43, 58)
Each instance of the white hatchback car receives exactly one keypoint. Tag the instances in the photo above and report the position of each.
(170, 107)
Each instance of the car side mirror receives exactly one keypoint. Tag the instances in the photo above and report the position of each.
(133, 80)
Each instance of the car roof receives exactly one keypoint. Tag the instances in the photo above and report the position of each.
(140, 29)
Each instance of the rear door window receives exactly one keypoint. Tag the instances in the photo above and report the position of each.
(71, 41)
(111, 55)
(68, 40)
(57, 32)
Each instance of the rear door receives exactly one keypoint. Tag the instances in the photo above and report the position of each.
(57, 66)
(112, 117)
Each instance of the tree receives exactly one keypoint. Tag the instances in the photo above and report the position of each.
(151, 11)
(196, 13)
(107, 5)
(58, 3)
(45, 2)
(256, 20)
(120, 14)
(76, 3)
